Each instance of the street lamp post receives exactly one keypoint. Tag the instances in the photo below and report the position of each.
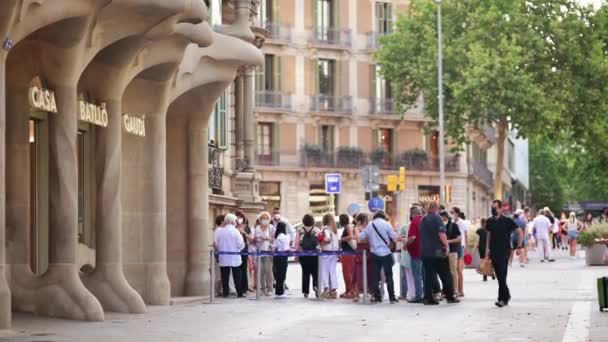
(440, 98)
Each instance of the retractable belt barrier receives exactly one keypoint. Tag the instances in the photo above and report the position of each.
(260, 254)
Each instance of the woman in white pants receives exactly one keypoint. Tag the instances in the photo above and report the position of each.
(330, 242)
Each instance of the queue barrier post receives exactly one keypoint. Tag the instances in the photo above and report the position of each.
(258, 277)
(212, 278)
(364, 277)
(319, 276)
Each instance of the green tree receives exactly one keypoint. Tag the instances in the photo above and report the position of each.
(520, 64)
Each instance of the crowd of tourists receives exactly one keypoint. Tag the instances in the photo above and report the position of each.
(432, 251)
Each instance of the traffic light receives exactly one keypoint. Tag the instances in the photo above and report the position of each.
(448, 194)
(402, 179)
(391, 183)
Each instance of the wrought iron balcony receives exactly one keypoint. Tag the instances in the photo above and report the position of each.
(278, 32)
(332, 36)
(331, 104)
(273, 99)
(373, 39)
(480, 171)
(313, 156)
(216, 170)
(382, 106)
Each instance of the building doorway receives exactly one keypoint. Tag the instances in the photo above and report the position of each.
(39, 193)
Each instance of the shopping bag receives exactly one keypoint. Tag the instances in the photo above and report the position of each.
(468, 259)
(486, 268)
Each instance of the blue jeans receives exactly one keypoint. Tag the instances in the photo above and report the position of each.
(417, 272)
(403, 287)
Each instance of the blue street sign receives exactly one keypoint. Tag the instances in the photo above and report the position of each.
(375, 204)
(332, 183)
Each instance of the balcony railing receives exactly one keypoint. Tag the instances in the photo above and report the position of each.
(331, 104)
(373, 39)
(382, 106)
(216, 169)
(313, 156)
(278, 32)
(480, 171)
(332, 36)
(273, 100)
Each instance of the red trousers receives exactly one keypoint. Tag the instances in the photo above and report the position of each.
(348, 271)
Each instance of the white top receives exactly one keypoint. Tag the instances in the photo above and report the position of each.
(291, 233)
(463, 226)
(542, 225)
(229, 239)
(334, 242)
(555, 228)
(263, 238)
(281, 243)
(572, 227)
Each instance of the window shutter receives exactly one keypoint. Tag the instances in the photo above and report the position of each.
(277, 82)
(376, 139)
(275, 143)
(394, 143)
(337, 78)
(389, 17)
(259, 79)
(373, 92)
(379, 17)
(335, 15)
(315, 73)
(222, 122)
(275, 12)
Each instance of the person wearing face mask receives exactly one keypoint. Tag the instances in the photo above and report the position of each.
(276, 218)
(264, 236)
(498, 248)
(242, 225)
(454, 238)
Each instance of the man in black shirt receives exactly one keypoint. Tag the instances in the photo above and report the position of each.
(498, 248)
(434, 252)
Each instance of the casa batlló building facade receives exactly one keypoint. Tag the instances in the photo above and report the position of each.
(104, 124)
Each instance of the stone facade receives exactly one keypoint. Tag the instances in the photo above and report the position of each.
(322, 107)
(80, 165)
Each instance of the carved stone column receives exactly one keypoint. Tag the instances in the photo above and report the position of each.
(239, 97)
(108, 282)
(247, 181)
(198, 213)
(248, 119)
(5, 293)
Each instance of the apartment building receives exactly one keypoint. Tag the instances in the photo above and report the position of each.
(322, 107)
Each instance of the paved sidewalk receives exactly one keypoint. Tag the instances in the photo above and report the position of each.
(551, 302)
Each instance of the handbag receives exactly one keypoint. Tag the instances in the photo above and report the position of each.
(486, 268)
(392, 246)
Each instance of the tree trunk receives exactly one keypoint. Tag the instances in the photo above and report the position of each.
(502, 126)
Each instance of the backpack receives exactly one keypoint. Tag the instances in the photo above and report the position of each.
(309, 241)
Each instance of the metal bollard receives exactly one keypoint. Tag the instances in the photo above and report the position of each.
(364, 277)
(212, 278)
(319, 276)
(258, 277)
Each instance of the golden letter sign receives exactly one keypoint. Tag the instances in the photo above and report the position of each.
(42, 99)
(97, 115)
(134, 125)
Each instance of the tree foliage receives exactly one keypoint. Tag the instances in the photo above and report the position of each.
(538, 66)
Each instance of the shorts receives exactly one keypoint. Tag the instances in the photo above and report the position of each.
(572, 235)
(460, 253)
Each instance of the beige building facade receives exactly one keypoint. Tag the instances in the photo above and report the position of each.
(106, 179)
(322, 107)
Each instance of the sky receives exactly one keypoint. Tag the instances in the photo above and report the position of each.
(595, 3)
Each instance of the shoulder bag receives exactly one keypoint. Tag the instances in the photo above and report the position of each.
(392, 246)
